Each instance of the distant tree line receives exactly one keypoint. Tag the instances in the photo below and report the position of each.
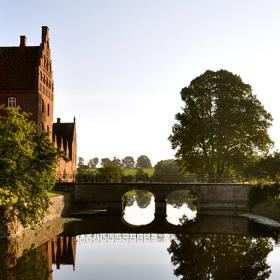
(127, 162)
(259, 169)
(126, 170)
(112, 170)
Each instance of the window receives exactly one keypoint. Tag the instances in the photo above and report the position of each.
(12, 101)
(43, 106)
(42, 127)
(48, 109)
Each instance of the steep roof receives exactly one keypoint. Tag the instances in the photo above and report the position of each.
(18, 67)
(63, 136)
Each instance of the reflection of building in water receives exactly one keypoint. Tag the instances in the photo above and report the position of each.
(63, 251)
(37, 263)
(60, 250)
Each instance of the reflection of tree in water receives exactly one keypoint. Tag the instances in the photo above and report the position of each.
(178, 198)
(220, 257)
(142, 198)
(32, 264)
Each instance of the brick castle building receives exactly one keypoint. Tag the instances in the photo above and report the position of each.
(26, 80)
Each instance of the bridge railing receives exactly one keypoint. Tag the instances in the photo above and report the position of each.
(191, 178)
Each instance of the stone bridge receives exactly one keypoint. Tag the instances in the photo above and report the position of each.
(109, 196)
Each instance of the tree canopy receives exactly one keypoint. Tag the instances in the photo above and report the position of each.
(93, 162)
(222, 125)
(142, 198)
(105, 161)
(81, 162)
(265, 168)
(117, 161)
(143, 162)
(218, 256)
(167, 170)
(27, 166)
(128, 162)
(111, 172)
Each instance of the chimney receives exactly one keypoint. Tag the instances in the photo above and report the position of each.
(23, 40)
(45, 33)
(58, 120)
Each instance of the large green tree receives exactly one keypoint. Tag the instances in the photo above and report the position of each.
(27, 167)
(222, 125)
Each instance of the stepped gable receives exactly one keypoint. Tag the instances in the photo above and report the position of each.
(19, 67)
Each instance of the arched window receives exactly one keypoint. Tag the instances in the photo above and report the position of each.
(12, 101)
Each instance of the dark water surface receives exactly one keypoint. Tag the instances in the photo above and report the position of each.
(111, 247)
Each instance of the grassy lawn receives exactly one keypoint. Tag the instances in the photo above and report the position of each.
(54, 193)
(270, 206)
(125, 171)
(133, 171)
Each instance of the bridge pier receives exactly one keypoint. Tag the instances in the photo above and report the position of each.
(160, 208)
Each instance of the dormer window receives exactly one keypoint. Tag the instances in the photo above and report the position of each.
(12, 101)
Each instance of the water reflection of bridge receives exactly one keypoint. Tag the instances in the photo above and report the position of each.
(124, 238)
(204, 224)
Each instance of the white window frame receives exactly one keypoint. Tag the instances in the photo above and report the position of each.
(12, 101)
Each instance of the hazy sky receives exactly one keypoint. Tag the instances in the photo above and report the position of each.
(119, 65)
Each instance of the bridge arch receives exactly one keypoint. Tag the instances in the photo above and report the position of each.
(138, 207)
(181, 204)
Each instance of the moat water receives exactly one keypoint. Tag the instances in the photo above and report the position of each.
(185, 245)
